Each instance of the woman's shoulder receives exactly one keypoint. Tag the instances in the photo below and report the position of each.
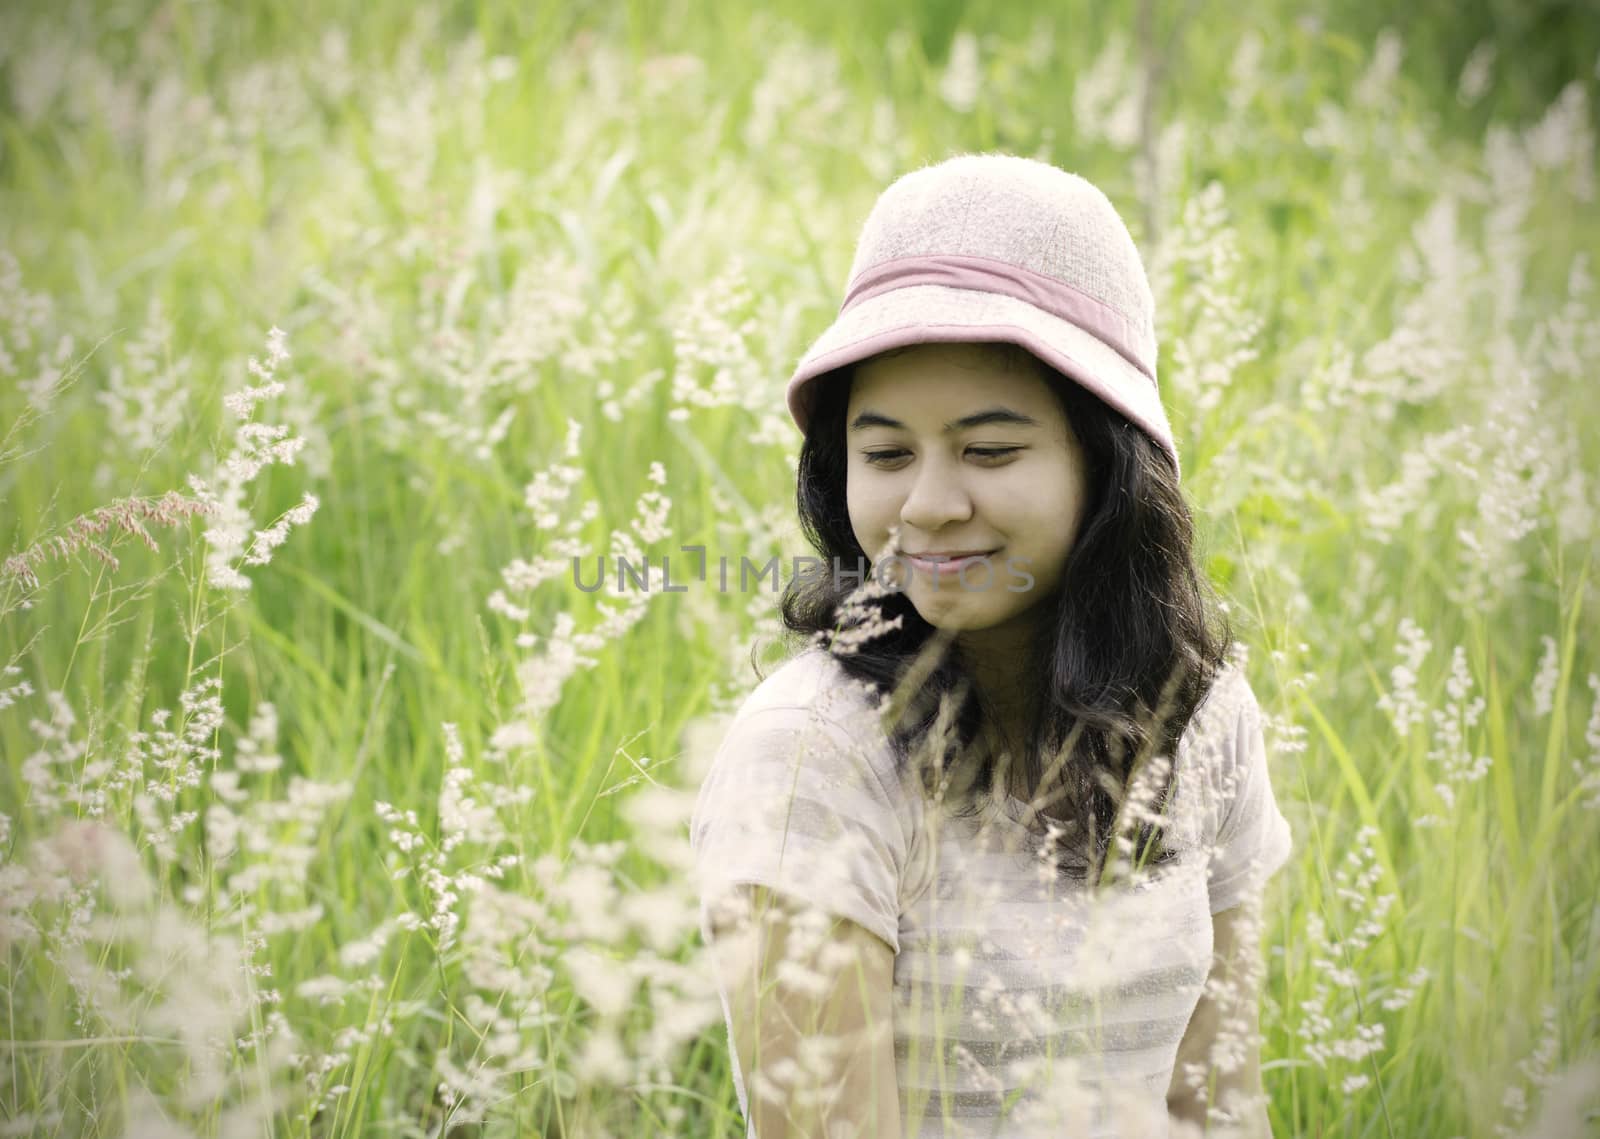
(1214, 748)
(811, 709)
(1208, 749)
(811, 685)
(1229, 698)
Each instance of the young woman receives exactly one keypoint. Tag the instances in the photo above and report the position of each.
(985, 857)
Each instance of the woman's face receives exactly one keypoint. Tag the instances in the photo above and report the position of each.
(963, 455)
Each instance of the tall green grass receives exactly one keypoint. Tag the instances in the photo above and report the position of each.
(386, 843)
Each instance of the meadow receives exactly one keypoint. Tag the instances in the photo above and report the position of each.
(330, 807)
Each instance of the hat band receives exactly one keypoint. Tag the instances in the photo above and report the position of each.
(989, 275)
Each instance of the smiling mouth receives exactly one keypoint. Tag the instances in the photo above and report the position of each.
(947, 563)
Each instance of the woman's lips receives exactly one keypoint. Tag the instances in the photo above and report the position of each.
(942, 566)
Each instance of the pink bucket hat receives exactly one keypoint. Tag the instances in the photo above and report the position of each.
(996, 247)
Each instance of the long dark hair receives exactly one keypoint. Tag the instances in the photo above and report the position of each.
(1125, 649)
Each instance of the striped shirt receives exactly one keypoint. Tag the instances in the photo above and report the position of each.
(1023, 1005)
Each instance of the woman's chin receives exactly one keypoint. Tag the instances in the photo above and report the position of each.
(953, 609)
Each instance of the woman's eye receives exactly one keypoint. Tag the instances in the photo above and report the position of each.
(884, 458)
(880, 458)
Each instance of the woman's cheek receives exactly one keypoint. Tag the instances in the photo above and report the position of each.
(869, 520)
(875, 506)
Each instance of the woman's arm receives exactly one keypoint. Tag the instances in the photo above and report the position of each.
(1220, 1046)
(810, 997)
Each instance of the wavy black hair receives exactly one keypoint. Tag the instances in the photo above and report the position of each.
(1124, 652)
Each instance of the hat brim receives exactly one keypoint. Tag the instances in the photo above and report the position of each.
(943, 314)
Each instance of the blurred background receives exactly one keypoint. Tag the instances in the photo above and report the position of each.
(330, 333)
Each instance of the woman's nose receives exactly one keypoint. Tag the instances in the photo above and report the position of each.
(937, 497)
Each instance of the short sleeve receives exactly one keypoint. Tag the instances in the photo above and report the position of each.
(792, 802)
(1252, 838)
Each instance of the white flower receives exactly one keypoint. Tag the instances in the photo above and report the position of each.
(602, 981)
(1404, 706)
(959, 84)
(1476, 73)
(1544, 682)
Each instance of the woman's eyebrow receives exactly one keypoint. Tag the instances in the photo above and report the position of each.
(989, 415)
